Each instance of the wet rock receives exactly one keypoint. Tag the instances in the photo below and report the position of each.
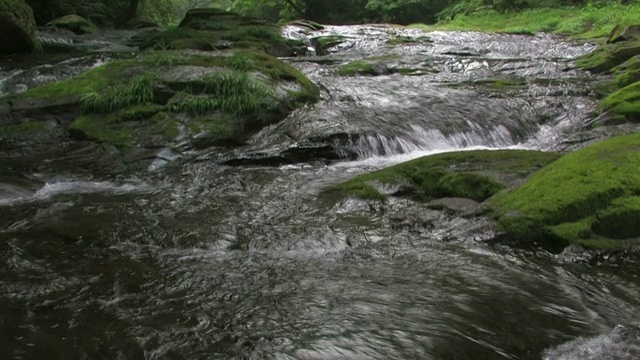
(622, 33)
(187, 101)
(463, 207)
(17, 27)
(77, 24)
(322, 44)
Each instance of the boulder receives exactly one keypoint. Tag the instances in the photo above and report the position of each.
(587, 197)
(621, 33)
(163, 100)
(75, 23)
(17, 27)
(214, 29)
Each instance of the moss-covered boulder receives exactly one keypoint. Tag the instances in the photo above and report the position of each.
(624, 104)
(17, 27)
(170, 99)
(75, 23)
(214, 29)
(475, 175)
(589, 197)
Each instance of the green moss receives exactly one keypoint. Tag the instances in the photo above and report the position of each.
(584, 22)
(21, 128)
(627, 73)
(138, 90)
(624, 102)
(475, 175)
(559, 202)
(166, 124)
(75, 23)
(620, 219)
(100, 128)
(139, 112)
(365, 66)
(401, 40)
(323, 43)
(605, 58)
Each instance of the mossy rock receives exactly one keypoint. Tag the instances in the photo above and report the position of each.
(628, 72)
(624, 103)
(17, 27)
(408, 40)
(475, 175)
(378, 65)
(148, 101)
(587, 197)
(214, 29)
(322, 44)
(606, 57)
(75, 23)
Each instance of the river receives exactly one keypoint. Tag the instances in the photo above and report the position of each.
(202, 259)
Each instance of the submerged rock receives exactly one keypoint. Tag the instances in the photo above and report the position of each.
(17, 27)
(474, 175)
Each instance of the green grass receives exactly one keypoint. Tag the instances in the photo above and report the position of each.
(585, 22)
(586, 195)
(475, 175)
(137, 91)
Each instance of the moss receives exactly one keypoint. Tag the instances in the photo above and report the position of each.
(624, 102)
(21, 128)
(401, 40)
(75, 23)
(475, 175)
(139, 90)
(91, 81)
(219, 31)
(139, 111)
(322, 43)
(584, 189)
(620, 219)
(366, 66)
(605, 58)
(166, 124)
(628, 72)
(100, 128)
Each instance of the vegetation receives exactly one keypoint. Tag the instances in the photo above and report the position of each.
(475, 175)
(589, 196)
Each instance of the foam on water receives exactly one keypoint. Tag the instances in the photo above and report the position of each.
(621, 343)
(51, 189)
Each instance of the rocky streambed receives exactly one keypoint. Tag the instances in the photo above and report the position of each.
(178, 225)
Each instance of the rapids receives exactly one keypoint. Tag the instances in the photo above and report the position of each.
(202, 260)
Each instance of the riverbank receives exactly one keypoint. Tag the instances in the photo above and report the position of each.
(587, 22)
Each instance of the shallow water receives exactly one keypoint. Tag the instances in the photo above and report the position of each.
(202, 261)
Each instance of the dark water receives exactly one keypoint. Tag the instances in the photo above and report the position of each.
(205, 261)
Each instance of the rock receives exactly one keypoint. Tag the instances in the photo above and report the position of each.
(620, 33)
(462, 206)
(17, 27)
(75, 23)
(168, 99)
(475, 175)
(587, 197)
(322, 44)
(214, 29)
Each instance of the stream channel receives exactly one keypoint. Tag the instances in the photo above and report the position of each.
(235, 254)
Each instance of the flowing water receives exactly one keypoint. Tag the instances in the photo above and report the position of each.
(208, 261)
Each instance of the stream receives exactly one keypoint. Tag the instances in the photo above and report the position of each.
(225, 255)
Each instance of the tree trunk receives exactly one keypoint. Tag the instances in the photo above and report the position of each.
(122, 19)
